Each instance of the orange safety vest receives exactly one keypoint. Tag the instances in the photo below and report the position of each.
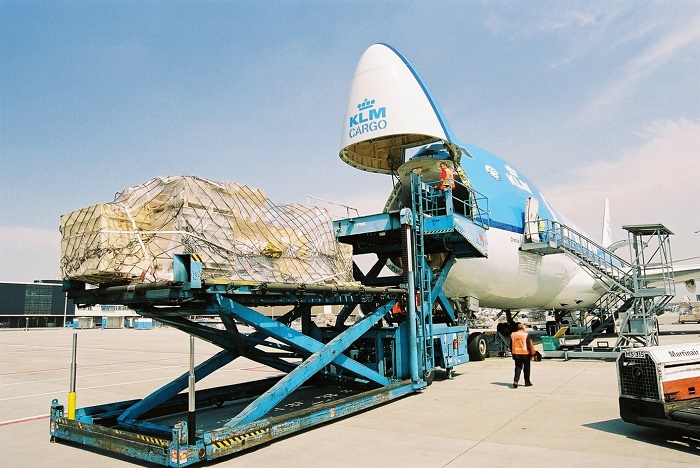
(398, 308)
(521, 344)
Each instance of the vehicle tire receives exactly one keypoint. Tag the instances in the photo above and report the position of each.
(477, 347)
(429, 377)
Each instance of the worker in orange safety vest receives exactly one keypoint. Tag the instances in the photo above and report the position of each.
(522, 350)
(447, 178)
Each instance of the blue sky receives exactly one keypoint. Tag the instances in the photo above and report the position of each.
(588, 99)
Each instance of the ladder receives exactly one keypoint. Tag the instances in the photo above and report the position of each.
(424, 202)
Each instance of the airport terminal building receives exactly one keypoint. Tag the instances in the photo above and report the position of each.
(32, 305)
(43, 303)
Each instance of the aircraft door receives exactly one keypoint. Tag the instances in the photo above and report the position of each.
(531, 217)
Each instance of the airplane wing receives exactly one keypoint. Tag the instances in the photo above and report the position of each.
(688, 274)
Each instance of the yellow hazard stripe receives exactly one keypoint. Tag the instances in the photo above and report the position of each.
(152, 440)
(144, 438)
(225, 443)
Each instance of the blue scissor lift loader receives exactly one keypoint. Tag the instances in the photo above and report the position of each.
(407, 329)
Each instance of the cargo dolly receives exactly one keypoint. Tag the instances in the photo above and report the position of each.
(408, 328)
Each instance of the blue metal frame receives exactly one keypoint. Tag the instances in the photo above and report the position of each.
(404, 354)
(129, 418)
(321, 356)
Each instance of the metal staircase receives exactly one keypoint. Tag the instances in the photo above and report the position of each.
(427, 235)
(653, 283)
(637, 290)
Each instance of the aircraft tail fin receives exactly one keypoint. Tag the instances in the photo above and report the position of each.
(606, 238)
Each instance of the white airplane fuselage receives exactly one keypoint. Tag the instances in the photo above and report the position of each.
(512, 279)
(508, 278)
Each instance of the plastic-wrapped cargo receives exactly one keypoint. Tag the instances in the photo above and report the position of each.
(238, 233)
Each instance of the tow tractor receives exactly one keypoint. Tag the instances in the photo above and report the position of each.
(407, 330)
(660, 387)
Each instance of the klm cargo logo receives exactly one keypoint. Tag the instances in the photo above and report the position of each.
(368, 119)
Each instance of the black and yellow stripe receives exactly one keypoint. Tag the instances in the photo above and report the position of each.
(238, 440)
(152, 440)
(116, 432)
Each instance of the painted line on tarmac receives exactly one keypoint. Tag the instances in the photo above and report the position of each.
(82, 389)
(85, 376)
(79, 389)
(21, 420)
(88, 366)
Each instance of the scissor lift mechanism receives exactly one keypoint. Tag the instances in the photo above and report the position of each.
(328, 373)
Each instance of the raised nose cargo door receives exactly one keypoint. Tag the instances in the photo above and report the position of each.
(389, 111)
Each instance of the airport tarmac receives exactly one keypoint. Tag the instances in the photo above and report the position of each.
(568, 418)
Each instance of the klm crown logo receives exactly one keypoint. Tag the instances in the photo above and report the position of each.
(367, 119)
(366, 104)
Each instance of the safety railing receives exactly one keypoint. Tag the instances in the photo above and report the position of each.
(439, 202)
(592, 254)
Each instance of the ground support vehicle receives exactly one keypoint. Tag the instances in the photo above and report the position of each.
(408, 329)
(689, 311)
(659, 387)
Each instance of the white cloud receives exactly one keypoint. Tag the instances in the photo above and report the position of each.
(569, 19)
(656, 182)
(651, 59)
(29, 254)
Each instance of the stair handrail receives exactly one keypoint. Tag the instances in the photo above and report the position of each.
(593, 255)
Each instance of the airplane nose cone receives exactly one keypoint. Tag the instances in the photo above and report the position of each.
(389, 110)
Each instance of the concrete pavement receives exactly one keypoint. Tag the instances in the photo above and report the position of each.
(569, 417)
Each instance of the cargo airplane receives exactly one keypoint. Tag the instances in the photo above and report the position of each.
(394, 126)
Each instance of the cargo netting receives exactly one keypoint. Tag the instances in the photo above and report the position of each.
(237, 232)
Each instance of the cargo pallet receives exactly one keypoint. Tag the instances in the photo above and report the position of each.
(407, 330)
